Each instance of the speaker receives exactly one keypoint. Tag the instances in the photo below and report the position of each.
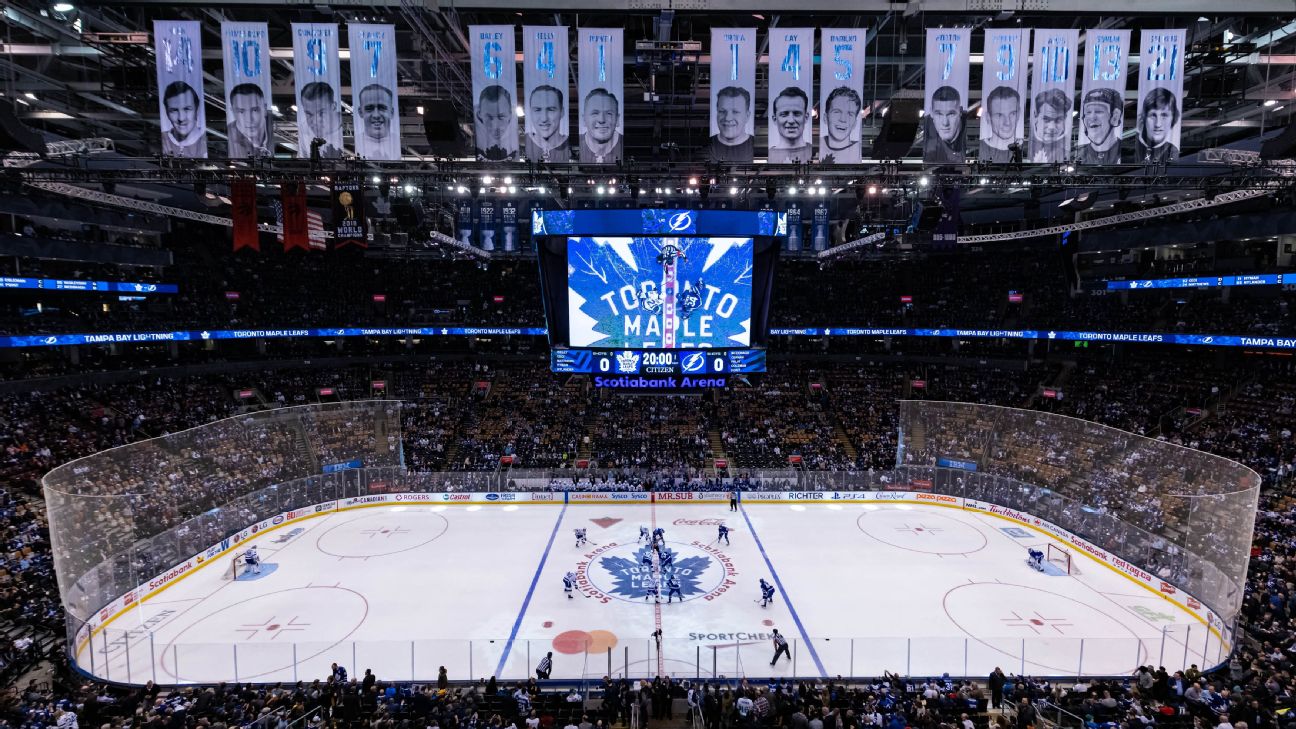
(441, 125)
(1282, 146)
(899, 129)
(16, 136)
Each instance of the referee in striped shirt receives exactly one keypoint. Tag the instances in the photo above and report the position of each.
(546, 666)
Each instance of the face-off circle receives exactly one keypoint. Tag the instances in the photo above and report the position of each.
(921, 531)
(618, 571)
(382, 533)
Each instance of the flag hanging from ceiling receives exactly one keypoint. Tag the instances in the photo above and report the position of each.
(318, 81)
(373, 90)
(245, 48)
(296, 233)
(178, 47)
(349, 227)
(243, 209)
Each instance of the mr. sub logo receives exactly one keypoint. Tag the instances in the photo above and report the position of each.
(675, 496)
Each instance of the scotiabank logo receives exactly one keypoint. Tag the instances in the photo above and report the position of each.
(943, 498)
(698, 522)
(675, 496)
(171, 574)
(456, 497)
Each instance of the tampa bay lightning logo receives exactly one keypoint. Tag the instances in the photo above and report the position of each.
(694, 362)
(680, 222)
(629, 578)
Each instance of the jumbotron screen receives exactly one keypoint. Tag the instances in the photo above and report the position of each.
(657, 292)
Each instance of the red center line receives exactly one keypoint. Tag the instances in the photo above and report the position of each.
(657, 622)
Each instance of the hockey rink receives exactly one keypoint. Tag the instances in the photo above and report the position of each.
(861, 588)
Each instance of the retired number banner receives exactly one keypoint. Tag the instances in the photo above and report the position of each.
(494, 80)
(545, 81)
(1160, 96)
(178, 46)
(318, 82)
(945, 92)
(600, 84)
(791, 94)
(373, 91)
(1102, 97)
(841, 92)
(733, 94)
(1053, 91)
(245, 48)
(1003, 93)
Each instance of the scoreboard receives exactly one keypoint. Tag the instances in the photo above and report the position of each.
(686, 362)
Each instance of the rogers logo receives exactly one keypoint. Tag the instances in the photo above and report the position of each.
(698, 522)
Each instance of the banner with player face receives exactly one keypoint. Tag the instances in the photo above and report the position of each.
(841, 93)
(545, 98)
(601, 87)
(1160, 96)
(946, 92)
(1004, 75)
(791, 93)
(733, 94)
(245, 48)
(494, 78)
(178, 46)
(373, 91)
(318, 80)
(1102, 97)
(1052, 94)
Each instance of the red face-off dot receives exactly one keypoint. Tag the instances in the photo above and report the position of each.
(548, 623)
(767, 622)
(273, 627)
(1036, 621)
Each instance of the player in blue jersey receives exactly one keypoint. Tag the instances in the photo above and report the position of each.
(1036, 558)
(767, 593)
(667, 558)
(659, 534)
(580, 537)
(569, 583)
(673, 589)
(724, 534)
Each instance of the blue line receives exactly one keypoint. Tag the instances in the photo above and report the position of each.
(786, 597)
(499, 670)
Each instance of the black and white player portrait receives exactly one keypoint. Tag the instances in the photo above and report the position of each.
(250, 134)
(1050, 112)
(377, 112)
(1158, 116)
(1102, 115)
(323, 118)
(840, 141)
(601, 115)
(1000, 125)
(943, 140)
(495, 118)
(184, 135)
(545, 139)
(791, 116)
(732, 142)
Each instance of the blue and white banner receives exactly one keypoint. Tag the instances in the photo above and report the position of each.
(245, 48)
(795, 218)
(1052, 94)
(841, 92)
(494, 82)
(178, 47)
(545, 81)
(819, 226)
(945, 92)
(791, 93)
(733, 94)
(487, 223)
(659, 221)
(599, 71)
(1004, 75)
(1102, 97)
(1160, 96)
(317, 77)
(659, 293)
(465, 211)
(374, 106)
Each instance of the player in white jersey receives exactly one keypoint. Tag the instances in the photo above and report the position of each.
(252, 560)
(580, 537)
(651, 589)
(643, 534)
(569, 583)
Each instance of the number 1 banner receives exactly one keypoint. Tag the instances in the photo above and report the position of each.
(600, 83)
(733, 94)
(1160, 96)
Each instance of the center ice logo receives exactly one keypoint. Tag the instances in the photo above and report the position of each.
(628, 576)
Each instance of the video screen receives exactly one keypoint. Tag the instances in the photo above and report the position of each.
(659, 292)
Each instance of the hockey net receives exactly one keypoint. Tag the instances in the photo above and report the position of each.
(235, 567)
(1060, 557)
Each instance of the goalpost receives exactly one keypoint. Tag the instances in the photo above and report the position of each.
(235, 564)
(1061, 557)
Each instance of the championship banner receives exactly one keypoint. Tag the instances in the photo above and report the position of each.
(841, 92)
(243, 209)
(487, 220)
(733, 94)
(1004, 75)
(374, 104)
(1102, 97)
(178, 47)
(1052, 94)
(245, 48)
(819, 226)
(545, 81)
(945, 92)
(349, 226)
(599, 74)
(464, 212)
(794, 219)
(509, 224)
(318, 80)
(791, 93)
(1160, 96)
(494, 79)
(296, 224)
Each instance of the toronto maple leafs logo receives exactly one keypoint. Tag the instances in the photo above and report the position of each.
(629, 576)
(628, 363)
